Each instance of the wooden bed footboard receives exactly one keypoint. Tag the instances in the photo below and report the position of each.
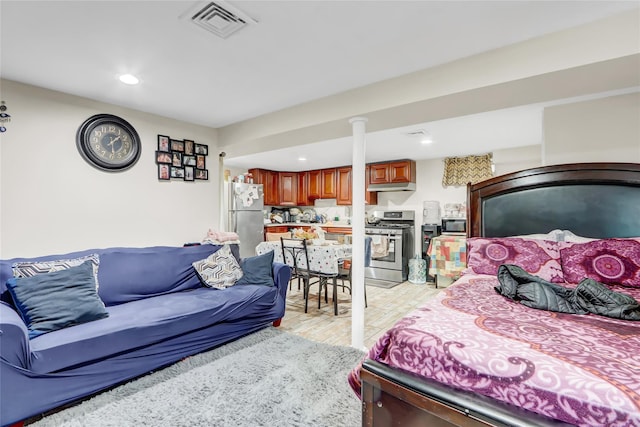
(391, 397)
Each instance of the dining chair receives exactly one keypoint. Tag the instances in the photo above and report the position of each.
(296, 254)
(345, 269)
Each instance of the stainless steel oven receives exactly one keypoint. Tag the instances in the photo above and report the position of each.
(392, 241)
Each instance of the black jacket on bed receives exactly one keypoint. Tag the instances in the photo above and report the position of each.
(588, 297)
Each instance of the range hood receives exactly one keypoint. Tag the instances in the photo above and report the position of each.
(393, 186)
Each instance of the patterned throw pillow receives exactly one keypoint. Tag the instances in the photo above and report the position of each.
(219, 270)
(610, 261)
(32, 268)
(538, 257)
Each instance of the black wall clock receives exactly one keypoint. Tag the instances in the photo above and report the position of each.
(108, 143)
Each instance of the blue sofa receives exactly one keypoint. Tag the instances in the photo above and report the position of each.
(158, 313)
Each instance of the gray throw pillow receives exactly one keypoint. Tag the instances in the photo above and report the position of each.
(51, 301)
(257, 270)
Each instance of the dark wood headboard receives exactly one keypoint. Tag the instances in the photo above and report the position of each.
(599, 200)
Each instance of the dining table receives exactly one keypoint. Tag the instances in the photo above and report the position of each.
(325, 257)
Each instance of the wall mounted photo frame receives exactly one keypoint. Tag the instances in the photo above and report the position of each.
(202, 174)
(202, 149)
(164, 172)
(189, 160)
(177, 145)
(163, 157)
(189, 174)
(176, 159)
(177, 172)
(163, 143)
(201, 162)
(188, 147)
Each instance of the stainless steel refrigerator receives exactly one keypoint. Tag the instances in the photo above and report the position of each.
(246, 202)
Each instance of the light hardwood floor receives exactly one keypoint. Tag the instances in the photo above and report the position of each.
(385, 308)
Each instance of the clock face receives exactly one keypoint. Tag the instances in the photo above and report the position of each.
(108, 142)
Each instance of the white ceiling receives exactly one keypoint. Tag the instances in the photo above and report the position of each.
(296, 52)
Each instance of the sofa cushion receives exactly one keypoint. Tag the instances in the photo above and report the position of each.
(257, 270)
(51, 301)
(148, 321)
(130, 274)
(31, 268)
(219, 270)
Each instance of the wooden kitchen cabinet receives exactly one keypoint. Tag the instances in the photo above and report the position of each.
(303, 189)
(402, 171)
(395, 171)
(277, 229)
(288, 188)
(345, 188)
(270, 182)
(328, 189)
(314, 185)
(379, 173)
(370, 197)
(343, 178)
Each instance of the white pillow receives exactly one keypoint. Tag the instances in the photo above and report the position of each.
(553, 235)
(568, 236)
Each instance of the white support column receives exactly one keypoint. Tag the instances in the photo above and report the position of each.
(357, 223)
(222, 205)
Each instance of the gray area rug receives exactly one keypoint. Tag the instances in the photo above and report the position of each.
(269, 378)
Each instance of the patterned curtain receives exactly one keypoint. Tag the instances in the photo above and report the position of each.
(464, 170)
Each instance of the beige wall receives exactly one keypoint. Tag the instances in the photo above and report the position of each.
(52, 201)
(602, 130)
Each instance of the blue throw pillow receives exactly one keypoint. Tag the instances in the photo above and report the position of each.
(257, 270)
(51, 301)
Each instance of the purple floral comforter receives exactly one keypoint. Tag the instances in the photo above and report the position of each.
(581, 369)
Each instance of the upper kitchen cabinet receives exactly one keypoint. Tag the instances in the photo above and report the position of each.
(344, 196)
(328, 189)
(396, 171)
(314, 188)
(271, 185)
(288, 188)
(370, 197)
(303, 189)
(345, 192)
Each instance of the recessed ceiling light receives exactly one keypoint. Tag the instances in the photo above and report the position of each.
(129, 79)
(302, 159)
(426, 139)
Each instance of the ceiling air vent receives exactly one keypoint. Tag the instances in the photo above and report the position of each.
(218, 18)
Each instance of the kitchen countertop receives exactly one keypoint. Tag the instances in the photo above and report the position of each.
(308, 224)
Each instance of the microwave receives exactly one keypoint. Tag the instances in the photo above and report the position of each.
(454, 226)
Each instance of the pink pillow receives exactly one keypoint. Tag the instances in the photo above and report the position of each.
(610, 261)
(538, 257)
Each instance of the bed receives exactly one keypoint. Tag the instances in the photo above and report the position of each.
(471, 357)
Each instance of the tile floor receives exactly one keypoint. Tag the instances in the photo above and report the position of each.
(385, 307)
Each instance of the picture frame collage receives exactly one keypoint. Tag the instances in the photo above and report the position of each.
(183, 160)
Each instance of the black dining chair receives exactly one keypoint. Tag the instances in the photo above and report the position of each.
(345, 269)
(295, 254)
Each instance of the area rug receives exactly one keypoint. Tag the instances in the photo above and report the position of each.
(269, 378)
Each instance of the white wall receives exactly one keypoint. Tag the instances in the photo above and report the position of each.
(601, 130)
(52, 201)
(595, 57)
